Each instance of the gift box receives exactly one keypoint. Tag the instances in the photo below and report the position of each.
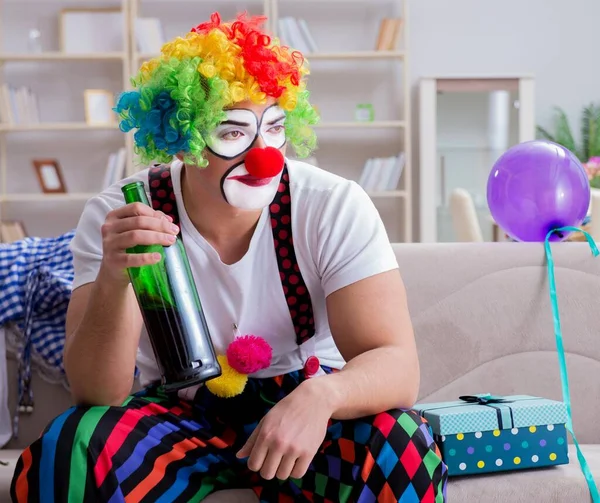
(485, 433)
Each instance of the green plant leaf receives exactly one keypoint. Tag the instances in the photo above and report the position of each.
(564, 135)
(595, 182)
(585, 132)
(590, 132)
(545, 134)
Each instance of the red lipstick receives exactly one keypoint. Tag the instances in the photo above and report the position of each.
(252, 181)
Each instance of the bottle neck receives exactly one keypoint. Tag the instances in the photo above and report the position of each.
(135, 192)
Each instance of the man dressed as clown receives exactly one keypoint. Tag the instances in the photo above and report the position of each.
(280, 250)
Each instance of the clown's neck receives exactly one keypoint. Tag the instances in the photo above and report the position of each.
(229, 230)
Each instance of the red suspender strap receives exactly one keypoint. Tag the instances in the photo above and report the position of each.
(294, 287)
(161, 191)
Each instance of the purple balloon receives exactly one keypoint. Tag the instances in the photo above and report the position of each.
(535, 187)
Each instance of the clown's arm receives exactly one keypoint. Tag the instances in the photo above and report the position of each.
(371, 326)
(366, 307)
(104, 323)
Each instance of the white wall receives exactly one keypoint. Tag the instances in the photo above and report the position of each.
(554, 40)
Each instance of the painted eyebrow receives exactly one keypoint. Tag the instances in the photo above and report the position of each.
(274, 121)
(235, 123)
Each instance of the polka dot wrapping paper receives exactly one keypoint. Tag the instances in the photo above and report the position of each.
(502, 450)
(513, 433)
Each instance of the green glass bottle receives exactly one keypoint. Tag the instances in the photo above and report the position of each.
(172, 311)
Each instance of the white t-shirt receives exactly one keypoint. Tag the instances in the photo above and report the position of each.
(339, 239)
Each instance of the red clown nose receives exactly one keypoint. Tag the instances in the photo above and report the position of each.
(264, 162)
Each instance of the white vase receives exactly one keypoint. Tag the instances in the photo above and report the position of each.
(595, 194)
(594, 213)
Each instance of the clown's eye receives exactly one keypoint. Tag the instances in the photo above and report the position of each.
(278, 128)
(236, 134)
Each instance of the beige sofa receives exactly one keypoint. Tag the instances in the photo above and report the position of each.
(483, 324)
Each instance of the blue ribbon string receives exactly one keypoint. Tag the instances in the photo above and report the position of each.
(504, 411)
(561, 353)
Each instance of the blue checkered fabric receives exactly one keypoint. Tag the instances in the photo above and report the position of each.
(36, 278)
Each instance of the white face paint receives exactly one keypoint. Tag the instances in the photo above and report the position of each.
(246, 192)
(236, 134)
(272, 127)
(233, 138)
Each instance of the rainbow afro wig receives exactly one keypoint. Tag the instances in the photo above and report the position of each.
(180, 96)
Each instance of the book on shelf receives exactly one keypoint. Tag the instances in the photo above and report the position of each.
(11, 231)
(382, 174)
(389, 34)
(18, 105)
(115, 167)
(296, 34)
(149, 35)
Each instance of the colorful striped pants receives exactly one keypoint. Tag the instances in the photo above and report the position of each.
(157, 448)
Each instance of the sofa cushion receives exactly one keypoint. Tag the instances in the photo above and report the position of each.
(483, 322)
(548, 485)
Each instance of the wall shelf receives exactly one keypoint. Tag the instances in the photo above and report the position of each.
(361, 125)
(57, 126)
(355, 55)
(318, 56)
(19, 198)
(62, 56)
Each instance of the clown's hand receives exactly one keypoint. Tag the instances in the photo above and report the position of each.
(286, 440)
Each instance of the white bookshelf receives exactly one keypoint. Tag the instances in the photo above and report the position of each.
(24, 197)
(320, 56)
(56, 126)
(344, 143)
(315, 56)
(60, 56)
(346, 44)
(361, 125)
(63, 136)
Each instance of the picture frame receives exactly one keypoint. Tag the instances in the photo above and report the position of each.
(91, 30)
(49, 176)
(99, 105)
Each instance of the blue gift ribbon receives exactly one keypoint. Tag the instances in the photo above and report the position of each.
(484, 399)
(504, 412)
(561, 352)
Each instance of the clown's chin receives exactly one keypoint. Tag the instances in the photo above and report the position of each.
(247, 193)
